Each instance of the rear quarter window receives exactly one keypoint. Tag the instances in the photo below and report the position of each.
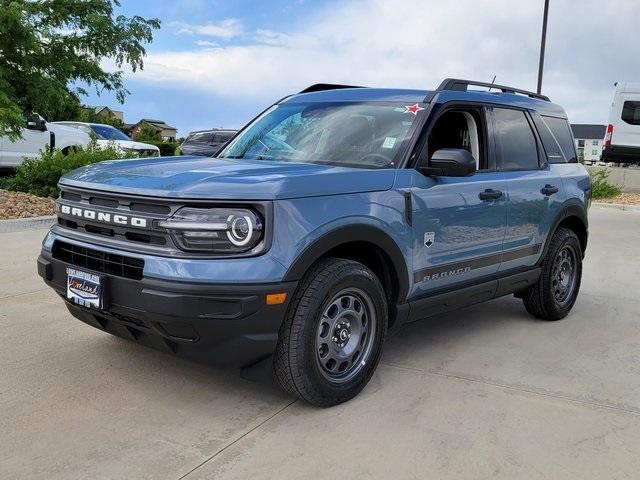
(563, 136)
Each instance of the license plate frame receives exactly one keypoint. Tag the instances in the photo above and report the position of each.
(84, 288)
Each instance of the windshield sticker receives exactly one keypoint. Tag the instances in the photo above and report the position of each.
(389, 142)
(414, 109)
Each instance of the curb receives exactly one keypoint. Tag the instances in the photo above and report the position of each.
(617, 206)
(31, 223)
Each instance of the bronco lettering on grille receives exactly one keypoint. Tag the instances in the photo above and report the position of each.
(104, 217)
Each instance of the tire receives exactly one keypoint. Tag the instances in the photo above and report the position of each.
(338, 313)
(555, 293)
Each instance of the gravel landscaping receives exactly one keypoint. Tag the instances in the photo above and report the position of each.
(622, 199)
(23, 205)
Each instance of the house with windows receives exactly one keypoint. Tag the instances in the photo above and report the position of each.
(167, 133)
(589, 140)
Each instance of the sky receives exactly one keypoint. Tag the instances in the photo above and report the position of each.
(219, 63)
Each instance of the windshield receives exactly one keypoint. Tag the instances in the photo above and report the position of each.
(105, 132)
(366, 135)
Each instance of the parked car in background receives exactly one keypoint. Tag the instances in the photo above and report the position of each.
(206, 142)
(622, 140)
(108, 135)
(38, 135)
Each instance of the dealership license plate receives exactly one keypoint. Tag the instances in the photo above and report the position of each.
(84, 288)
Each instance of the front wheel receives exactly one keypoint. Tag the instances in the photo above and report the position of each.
(331, 341)
(557, 289)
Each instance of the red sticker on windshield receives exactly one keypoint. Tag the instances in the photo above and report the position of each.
(415, 108)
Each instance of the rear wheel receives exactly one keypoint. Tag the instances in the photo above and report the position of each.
(331, 341)
(557, 289)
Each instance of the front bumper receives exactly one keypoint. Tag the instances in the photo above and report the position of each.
(228, 325)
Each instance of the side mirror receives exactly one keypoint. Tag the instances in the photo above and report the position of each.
(450, 162)
(36, 122)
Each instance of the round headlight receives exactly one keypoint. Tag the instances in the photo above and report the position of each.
(216, 230)
(239, 230)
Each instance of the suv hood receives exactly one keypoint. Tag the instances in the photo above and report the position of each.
(228, 179)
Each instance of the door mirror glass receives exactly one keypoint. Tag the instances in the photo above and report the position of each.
(36, 122)
(450, 162)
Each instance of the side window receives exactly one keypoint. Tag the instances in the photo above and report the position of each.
(564, 136)
(459, 129)
(631, 112)
(219, 138)
(515, 143)
(203, 137)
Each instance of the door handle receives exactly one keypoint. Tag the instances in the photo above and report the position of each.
(549, 190)
(490, 194)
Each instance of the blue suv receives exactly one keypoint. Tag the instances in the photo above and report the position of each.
(335, 215)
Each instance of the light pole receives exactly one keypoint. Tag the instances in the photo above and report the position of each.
(542, 44)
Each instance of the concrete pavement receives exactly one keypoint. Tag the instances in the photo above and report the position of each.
(486, 391)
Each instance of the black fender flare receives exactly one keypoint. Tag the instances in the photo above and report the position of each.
(570, 210)
(347, 234)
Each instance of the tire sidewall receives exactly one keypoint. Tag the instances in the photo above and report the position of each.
(357, 276)
(565, 237)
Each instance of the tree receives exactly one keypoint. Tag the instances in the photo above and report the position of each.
(147, 133)
(50, 50)
(89, 115)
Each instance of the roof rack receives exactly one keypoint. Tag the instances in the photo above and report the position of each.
(460, 85)
(319, 87)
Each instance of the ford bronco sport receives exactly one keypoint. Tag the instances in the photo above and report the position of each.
(337, 214)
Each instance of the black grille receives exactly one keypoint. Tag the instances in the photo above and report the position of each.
(109, 263)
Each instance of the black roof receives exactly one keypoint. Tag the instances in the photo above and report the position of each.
(588, 131)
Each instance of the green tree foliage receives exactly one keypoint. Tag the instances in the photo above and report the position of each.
(88, 115)
(147, 134)
(40, 176)
(49, 49)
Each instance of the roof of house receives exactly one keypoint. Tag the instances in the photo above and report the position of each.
(100, 108)
(588, 131)
(157, 123)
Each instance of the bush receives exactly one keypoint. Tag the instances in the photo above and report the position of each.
(167, 149)
(40, 176)
(600, 187)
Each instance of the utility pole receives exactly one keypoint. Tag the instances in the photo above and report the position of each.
(542, 44)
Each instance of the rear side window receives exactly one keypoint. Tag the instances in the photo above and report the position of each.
(631, 112)
(562, 133)
(515, 143)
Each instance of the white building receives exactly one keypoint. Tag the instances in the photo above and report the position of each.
(589, 141)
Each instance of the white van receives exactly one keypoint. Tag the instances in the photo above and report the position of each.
(622, 141)
(37, 136)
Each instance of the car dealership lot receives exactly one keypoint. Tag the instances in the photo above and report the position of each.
(485, 391)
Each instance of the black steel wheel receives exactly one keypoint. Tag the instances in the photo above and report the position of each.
(556, 291)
